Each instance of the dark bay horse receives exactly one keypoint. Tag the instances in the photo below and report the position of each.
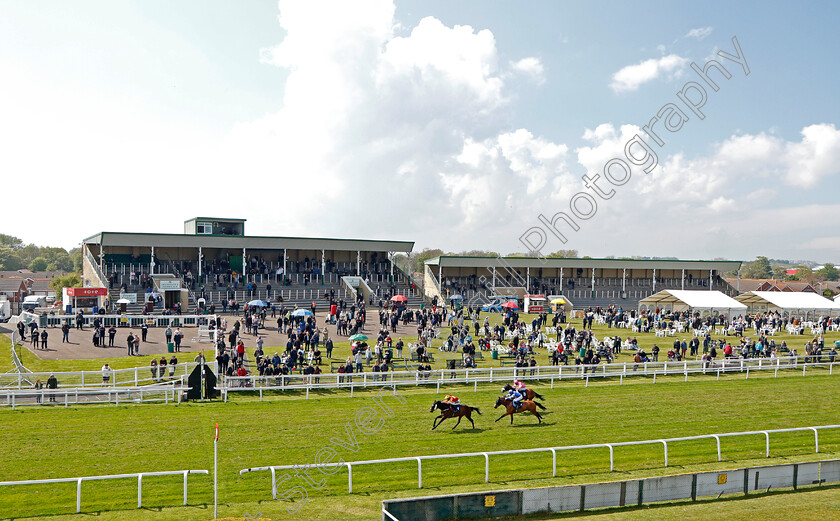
(530, 394)
(527, 406)
(448, 411)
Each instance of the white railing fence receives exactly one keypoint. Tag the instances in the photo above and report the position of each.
(553, 450)
(19, 397)
(438, 377)
(139, 476)
(132, 377)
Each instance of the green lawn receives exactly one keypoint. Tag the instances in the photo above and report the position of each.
(88, 440)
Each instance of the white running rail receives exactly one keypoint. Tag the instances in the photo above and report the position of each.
(139, 476)
(553, 450)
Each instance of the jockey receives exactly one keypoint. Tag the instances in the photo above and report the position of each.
(454, 401)
(515, 396)
(519, 386)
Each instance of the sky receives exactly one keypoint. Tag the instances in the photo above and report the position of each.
(457, 125)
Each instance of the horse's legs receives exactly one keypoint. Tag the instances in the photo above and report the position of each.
(471, 421)
(502, 416)
(435, 424)
(539, 417)
(456, 423)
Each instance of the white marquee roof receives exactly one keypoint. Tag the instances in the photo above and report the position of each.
(694, 299)
(806, 301)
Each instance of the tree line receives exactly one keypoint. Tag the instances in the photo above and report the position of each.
(15, 255)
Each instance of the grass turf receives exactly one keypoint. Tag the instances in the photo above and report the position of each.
(89, 440)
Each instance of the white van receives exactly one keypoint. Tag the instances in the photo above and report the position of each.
(34, 301)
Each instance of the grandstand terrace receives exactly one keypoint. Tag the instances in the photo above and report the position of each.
(214, 259)
(587, 282)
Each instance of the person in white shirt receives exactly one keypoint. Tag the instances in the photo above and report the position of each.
(106, 374)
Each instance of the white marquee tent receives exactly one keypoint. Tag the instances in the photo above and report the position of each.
(790, 302)
(693, 300)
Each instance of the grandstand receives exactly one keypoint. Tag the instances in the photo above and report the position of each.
(587, 282)
(213, 259)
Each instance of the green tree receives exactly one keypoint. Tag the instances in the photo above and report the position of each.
(71, 280)
(10, 260)
(830, 272)
(38, 264)
(7, 241)
(760, 268)
(563, 254)
(419, 258)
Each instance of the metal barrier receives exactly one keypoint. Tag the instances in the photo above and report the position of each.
(133, 377)
(79, 481)
(438, 377)
(135, 321)
(168, 394)
(553, 450)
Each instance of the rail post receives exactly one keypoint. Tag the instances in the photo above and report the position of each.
(816, 439)
(767, 437)
(273, 483)
(553, 463)
(665, 444)
(717, 438)
(79, 495)
(185, 487)
(349, 478)
(419, 473)
(612, 466)
(139, 490)
(486, 467)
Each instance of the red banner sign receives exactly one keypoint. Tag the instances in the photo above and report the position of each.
(86, 292)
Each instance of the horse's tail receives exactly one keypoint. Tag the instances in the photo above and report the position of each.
(475, 409)
(538, 404)
(538, 395)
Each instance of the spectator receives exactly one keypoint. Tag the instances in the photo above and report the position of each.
(65, 333)
(144, 331)
(168, 334)
(52, 384)
(39, 390)
(112, 332)
(106, 374)
(153, 368)
(172, 363)
(177, 337)
(130, 342)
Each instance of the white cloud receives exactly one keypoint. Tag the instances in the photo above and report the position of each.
(699, 33)
(531, 67)
(629, 78)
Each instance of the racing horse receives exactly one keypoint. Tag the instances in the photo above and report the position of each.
(448, 411)
(527, 406)
(530, 394)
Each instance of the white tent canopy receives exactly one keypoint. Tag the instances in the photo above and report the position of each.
(789, 301)
(696, 300)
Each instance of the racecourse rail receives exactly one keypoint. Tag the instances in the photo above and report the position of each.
(438, 377)
(553, 450)
(139, 476)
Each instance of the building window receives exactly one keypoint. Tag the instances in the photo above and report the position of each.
(204, 228)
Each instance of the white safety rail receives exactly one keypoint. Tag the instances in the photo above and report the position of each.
(553, 450)
(122, 321)
(133, 377)
(441, 377)
(139, 477)
(76, 396)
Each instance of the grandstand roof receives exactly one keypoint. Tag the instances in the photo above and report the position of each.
(693, 299)
(791, 301)
(178, 240)
(545, 262)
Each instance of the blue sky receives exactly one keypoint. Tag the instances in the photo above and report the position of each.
(453, 124)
